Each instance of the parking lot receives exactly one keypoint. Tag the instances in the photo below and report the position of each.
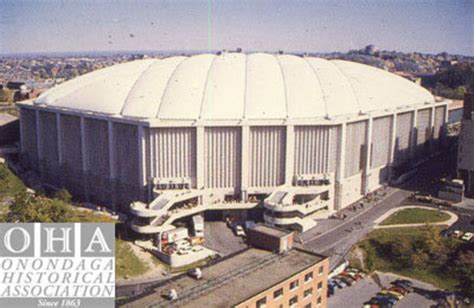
(424, 295)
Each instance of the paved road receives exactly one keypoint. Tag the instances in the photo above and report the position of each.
(338, 240)
(336, 237)
(220, 238)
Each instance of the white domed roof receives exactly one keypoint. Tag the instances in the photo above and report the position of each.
(236, 86)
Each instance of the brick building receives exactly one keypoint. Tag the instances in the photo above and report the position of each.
(250, 279)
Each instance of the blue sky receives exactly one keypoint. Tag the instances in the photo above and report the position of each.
(313, 26)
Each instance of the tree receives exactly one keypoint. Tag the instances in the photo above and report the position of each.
(464, 268)
(28, 208)
(63, 195)
(402, 251)
(419, 258)
(433, 244)
(459, 92)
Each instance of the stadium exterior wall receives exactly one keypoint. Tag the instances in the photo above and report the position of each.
(114, 160)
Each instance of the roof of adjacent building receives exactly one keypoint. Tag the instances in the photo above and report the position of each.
(273, 231)
(456, 104)
(228, 291)
(236, 86)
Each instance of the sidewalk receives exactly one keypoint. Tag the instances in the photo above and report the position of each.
(327, 225)
(449, 222)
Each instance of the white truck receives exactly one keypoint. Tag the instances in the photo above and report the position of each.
(198, 226)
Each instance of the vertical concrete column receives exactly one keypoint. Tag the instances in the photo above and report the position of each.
(38, 137)
(245, 162)
(393, 140)
(200, 139)
(432, 127)
(83, 145)
(446, 114)
(60, 139)
(340, 169)
(60, 170)
(445, 126)
(414, 135)
(368, 155)
(22, 144)
(85, 178)
(141, 161)
(290, 154)
(112, 171)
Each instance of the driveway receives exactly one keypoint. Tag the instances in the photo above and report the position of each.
(220, 238)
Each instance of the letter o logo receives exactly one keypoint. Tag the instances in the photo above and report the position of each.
(26, 240)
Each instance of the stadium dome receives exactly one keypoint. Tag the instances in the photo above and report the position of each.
(167, 138)
(236, 86)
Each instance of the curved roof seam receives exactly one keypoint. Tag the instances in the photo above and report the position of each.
(204, 90)
(230, 87)
(284, 85)
(349, 83)
(134, 84)
(167, 86)
(313, 69)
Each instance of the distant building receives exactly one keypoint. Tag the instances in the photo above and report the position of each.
(370, 49)
(252, 278)
(15, 85)
(466, 145)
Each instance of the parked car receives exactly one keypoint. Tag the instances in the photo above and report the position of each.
(396, 295)
(331, 290)
(457, 233)
(340, 283)
(400, 290)
(403, 283)
(384, 300)
(467, 236)
(372, 303)
(195, 273)
(446, 233)
(332, 283)
(348, 280)
(354, 276)
(239, 231)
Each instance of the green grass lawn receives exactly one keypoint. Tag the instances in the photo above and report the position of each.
(415, 216)
(378, 258)
(126, 262)
(89, 216)
(10, 184)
